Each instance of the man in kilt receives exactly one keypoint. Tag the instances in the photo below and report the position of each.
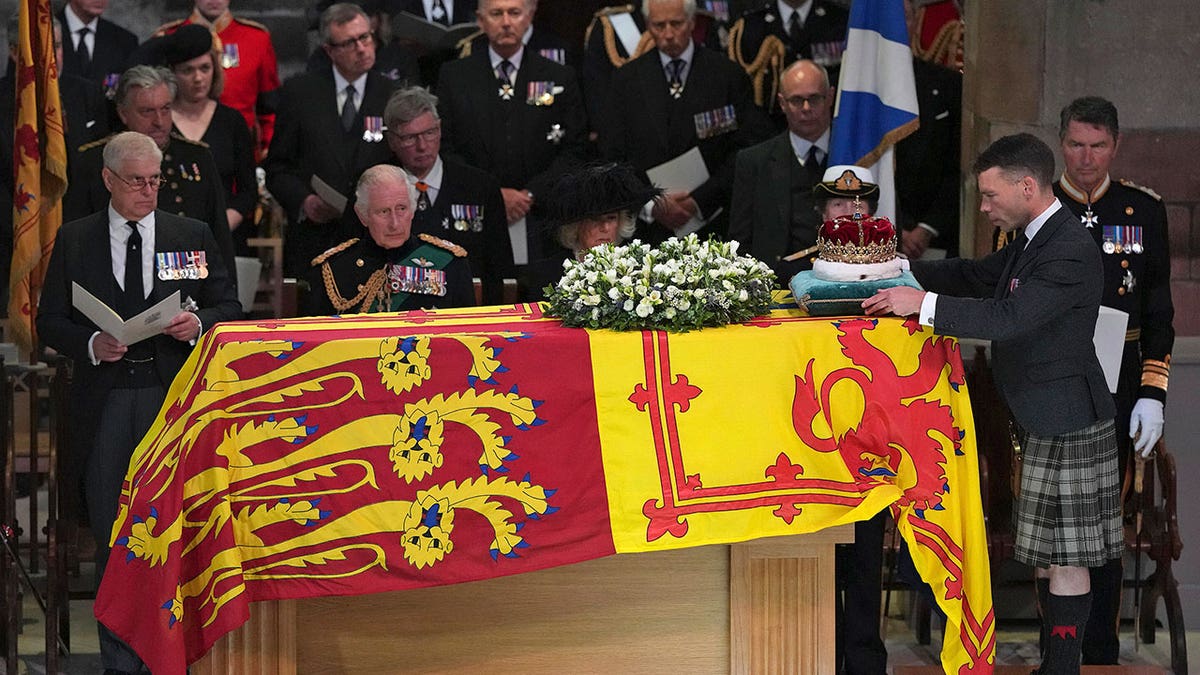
(1037, 301)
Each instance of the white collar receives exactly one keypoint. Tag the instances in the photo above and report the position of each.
(688, 53)
(434, 178)
(1036, 224)
(74, 23)
(515, 59)
(340, 83)
(785, 12)
(801, 145)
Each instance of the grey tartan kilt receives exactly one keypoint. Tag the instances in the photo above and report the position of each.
(1069, 509)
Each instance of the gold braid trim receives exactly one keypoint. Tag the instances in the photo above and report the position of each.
(458, 251)
(333, 251)
(367, 292)
(1155, 373)
(464, 45)
(767, 63)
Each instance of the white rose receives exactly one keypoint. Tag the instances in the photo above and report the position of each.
(628, 306)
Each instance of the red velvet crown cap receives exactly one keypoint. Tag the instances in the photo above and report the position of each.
(857, 239)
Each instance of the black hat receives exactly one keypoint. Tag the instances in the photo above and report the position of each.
(186, 43)
(597, 189)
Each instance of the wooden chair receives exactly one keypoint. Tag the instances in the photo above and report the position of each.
(1159, 541)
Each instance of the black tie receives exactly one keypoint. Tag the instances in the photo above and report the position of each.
(135, 294)
(795, 29)
(348, 109)
(812, 160)
(439, 13)
(676, 77)
(85, 55)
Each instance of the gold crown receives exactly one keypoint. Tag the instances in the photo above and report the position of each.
(857, 239)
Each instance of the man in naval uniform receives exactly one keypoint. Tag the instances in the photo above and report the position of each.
(251, 73)
(766, 40)
(192, 187)
(387, 270)
(1129, 224)
(540, 41)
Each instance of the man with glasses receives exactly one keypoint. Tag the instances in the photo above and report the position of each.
(455, 201)
(773, 212)
(671, 99)
(329, 127)
(385, 268)
(192, 184)
(129, 255)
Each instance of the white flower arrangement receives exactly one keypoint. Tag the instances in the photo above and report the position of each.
(682, 285)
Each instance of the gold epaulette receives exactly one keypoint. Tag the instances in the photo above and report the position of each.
(617, 9)
(464, 45)
(333, 251)
(168, 27)
(458, 251)
(764, 69)
(96, 143)
(1128, 183)
(252, 23)
(1155, 373)
(180, 137)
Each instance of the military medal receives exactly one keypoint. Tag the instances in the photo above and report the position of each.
(541, 93)
(467, 217)
(1128, 282)
(198, 264)
(558, 56)
(1135, 238)
(676, 90)
(110, 85)
(715, 122)
(372, 129)
(1089, 219)
(407, 279)
(230, 57)
(506, 91)
(555, 134)
(438, 13)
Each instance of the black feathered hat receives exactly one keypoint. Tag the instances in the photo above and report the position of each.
(597, 189)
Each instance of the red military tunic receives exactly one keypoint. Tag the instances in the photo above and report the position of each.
(251, 73)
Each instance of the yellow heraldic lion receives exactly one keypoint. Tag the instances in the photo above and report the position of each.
(417, 441)
(404, 361)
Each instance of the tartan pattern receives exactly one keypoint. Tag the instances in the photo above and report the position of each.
(1069, 509)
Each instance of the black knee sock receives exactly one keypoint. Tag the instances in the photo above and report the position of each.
(1101, 643)
(1043, 596)
(1065, 618)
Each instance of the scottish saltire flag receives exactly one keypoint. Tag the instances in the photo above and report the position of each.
(877, 96)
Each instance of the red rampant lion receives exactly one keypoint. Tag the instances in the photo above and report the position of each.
(902, 433)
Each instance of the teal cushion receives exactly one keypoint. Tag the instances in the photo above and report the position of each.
(840, 298)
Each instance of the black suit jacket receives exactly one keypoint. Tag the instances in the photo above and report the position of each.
(309, 140)
(761, 212)
(489, 250)
(1040, 314)
(82, 254)
(927, 172)
(110, 54)
(646, 127)
(524, 146)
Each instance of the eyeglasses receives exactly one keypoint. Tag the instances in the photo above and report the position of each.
(427, 136)
(365, 40)
(139, 183)
(799, 101)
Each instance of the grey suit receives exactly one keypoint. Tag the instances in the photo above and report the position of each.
(1042, 354)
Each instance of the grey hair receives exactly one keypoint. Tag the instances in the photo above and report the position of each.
(377, 175)
(408, 104)
(13, 29)
(144, 77)
(689, 7)
(807, 63)
(340, 13)
(568, 235)
(129, 145)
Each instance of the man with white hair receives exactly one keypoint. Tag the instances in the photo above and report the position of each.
(387, 270)
(671, 99)
(129, 255)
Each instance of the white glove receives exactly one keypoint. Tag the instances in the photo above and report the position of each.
(1146, 425)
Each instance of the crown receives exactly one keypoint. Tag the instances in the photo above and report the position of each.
(857, 239)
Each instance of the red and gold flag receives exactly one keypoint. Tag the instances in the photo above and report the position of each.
(39, 165)
(316, 457)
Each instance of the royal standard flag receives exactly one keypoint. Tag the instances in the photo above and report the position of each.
(341, 456)
(877, 95)
(39, 165)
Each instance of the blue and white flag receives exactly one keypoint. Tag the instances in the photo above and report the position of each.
(877, 96)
